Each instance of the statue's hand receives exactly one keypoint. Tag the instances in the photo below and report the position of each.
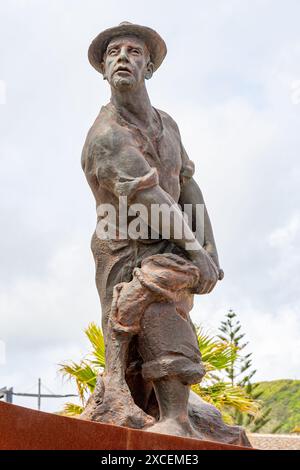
(210, 249)
(210, 273)
(221, 274)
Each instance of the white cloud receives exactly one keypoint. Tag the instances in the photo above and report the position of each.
(55, 309)
(285, 236)
(43, 322)
(273, 335)
(2, 92)
(295, 91)
(2, 352)
(276, 342)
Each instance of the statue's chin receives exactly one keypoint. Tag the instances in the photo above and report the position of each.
(123, 83)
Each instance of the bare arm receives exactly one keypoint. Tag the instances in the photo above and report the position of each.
(209, 271)
(192, 194)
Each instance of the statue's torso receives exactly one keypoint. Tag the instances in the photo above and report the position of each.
(163, 153)
(110, 140)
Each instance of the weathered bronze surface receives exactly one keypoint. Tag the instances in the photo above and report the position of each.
(146, 286)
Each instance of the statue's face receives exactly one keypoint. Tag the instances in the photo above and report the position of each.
(126, 63)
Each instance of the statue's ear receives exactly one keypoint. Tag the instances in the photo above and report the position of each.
(102, 70)
(149, 71)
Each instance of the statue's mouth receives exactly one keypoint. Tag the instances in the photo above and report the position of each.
(122, 69)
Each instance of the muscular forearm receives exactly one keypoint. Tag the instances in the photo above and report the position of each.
(191, 194)
(157, 196)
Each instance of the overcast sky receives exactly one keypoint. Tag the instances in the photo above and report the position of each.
(231, 80)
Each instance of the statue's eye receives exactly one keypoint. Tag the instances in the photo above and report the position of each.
(112, 51)
(135, 51)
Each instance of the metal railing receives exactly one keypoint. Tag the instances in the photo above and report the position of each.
(8, 393)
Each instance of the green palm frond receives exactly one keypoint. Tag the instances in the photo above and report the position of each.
(86, 371)
(95, 335)
(83, 373)
(216, 354)
(71, 409)
(222, 395)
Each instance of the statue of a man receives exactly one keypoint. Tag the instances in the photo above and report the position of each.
(146, 285)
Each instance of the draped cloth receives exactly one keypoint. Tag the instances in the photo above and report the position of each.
(155, 305)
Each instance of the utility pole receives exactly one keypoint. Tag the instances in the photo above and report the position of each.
(7, 394)
(39, 393)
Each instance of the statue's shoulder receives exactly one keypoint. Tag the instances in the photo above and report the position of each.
(168, 121)
(104, 136)
(105, 129)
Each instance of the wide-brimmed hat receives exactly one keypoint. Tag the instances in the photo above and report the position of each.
(155, 44)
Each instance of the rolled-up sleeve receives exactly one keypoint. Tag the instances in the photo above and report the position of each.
(130, 186)
(121, 168)
(187, 167)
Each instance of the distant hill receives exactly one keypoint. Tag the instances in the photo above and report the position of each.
(283, 397)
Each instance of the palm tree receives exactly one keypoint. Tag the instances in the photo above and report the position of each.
(85, 372)
(240, 373)
(216, 355)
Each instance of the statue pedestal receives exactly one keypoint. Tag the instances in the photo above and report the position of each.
(27, 429)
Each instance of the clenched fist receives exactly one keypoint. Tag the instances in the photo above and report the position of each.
(210, 273)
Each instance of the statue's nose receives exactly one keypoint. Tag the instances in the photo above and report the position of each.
(123, 56)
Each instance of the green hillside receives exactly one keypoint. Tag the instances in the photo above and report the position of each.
(283, 397)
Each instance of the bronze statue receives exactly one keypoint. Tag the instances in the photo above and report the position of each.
(146, 284)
